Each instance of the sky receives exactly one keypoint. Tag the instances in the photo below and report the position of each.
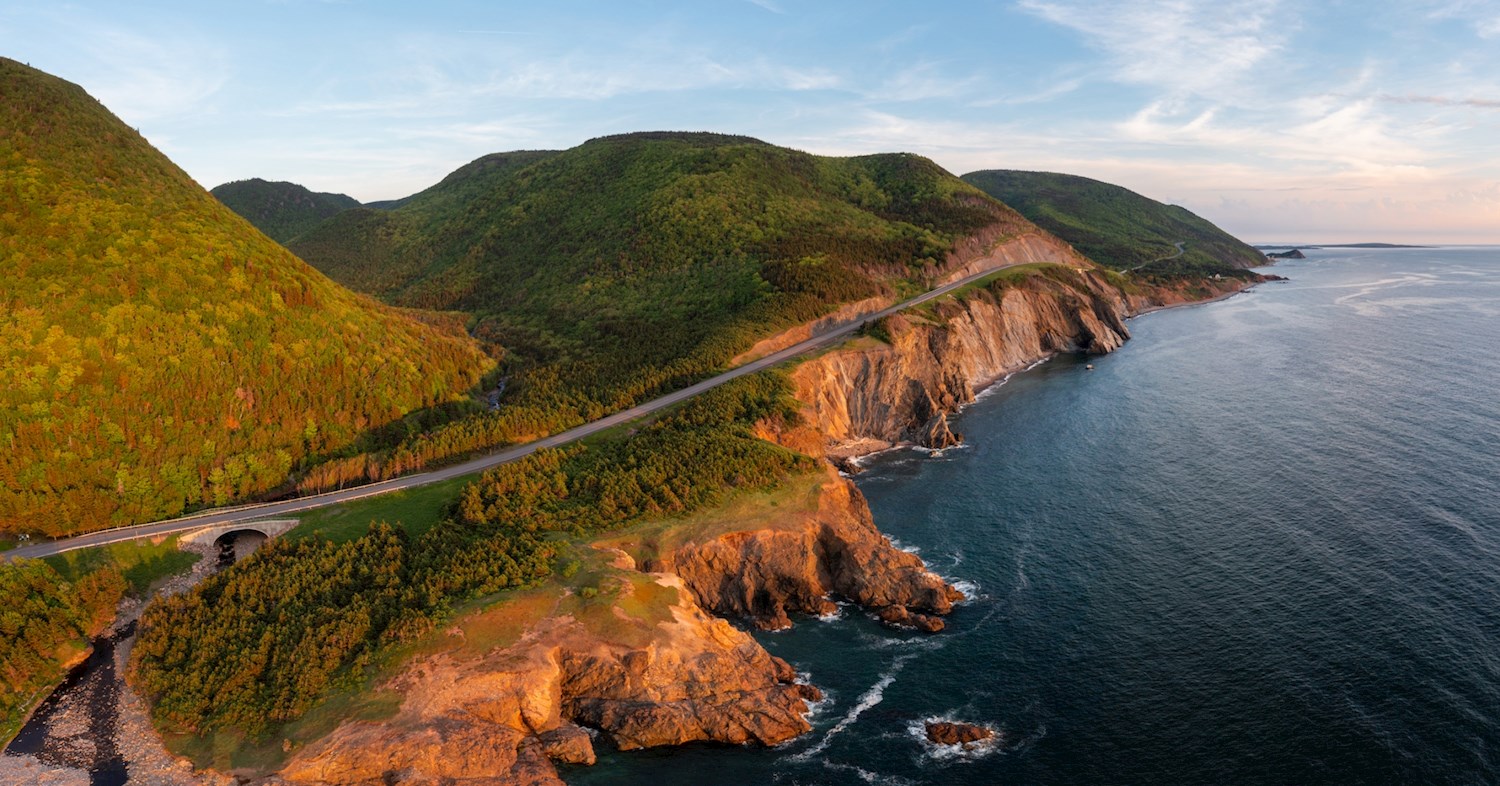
(1279, 120)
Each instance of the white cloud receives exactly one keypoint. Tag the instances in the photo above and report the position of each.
(1188, 47)
(1483, 16)
(142, 79)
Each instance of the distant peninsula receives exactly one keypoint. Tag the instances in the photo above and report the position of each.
(1265, 246)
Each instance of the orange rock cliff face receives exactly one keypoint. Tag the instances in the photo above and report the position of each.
(872, 397)
(504, 716)
(762, 575)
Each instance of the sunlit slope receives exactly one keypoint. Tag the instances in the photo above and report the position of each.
(156, 351)
(281, 210)
(1115, 226)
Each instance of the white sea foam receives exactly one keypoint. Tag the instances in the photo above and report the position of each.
(1021, 582)
(918, 643)
(970, 589)
(871, 697)
(896, 544)
(816, 709)
(837, 613)
(973, 751)
(866, 775)
(990, 389)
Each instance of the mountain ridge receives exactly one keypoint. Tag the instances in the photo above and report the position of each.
(280, 209)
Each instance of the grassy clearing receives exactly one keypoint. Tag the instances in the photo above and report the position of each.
(793, 499)
(143, 563)
(231, 751)
(415, 510)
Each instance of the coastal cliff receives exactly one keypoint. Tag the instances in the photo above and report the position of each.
(874, 394)
(798, 563)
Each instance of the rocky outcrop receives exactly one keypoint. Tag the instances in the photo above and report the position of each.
(507, 714)
(951, 733)
(798, 565)
(903, 391)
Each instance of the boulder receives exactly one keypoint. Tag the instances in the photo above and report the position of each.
(952, 733)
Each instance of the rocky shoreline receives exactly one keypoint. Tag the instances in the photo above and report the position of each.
(902, 395)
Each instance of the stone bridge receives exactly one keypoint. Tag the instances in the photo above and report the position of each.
(216, 534)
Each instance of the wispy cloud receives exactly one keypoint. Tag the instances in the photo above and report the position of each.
(1472, 103)
(922, 81)
(171, 73)
(1483, 16)
(768, 5)
(439, 77)
(1188, 47)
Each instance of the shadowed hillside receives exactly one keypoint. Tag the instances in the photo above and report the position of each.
(1117, 227)
(281, 210)
(157, 353)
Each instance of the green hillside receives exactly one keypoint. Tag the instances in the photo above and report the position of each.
(156, 352)
(635, 264)
(1117, 227)
(281, 210)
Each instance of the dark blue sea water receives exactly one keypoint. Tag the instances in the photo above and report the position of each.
(1258, 545)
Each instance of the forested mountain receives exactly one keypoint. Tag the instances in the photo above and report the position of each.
(633, 264)
(281, 210)
(1115, 226)
(156, 351)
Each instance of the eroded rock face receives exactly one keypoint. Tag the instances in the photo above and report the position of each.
(498, 718)
(569, 744)
(762, 575)
(903, 392)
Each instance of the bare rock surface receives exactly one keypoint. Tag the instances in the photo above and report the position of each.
(954, 733)
(685, 678)
(30, 770)
(903, 392)
(796, 566)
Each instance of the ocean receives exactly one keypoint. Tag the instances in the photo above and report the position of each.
(1260, 544)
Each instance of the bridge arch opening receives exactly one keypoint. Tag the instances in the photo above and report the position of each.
(238, 544)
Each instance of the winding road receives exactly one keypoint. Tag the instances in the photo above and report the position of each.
(505, 456)
(1180, 251)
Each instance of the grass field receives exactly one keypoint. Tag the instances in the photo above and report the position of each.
(415, 510)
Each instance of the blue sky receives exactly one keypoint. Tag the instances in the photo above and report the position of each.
(1277, 119)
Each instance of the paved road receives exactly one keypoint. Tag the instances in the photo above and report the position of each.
(302, 504)
(1179, 253)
